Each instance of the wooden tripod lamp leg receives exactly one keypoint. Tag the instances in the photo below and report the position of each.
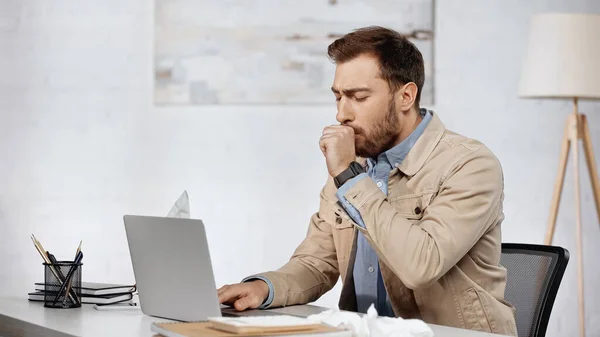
(575, 129)
(560, 178)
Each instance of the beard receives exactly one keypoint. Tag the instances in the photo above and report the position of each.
(381, 137)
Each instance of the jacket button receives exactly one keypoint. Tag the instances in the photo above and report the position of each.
(338, 220)
(417, 210)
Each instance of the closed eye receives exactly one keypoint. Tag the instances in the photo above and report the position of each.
(361, 99)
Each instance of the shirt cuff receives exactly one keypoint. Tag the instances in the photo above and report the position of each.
(342, 190)
(362, 192)
(269, 299)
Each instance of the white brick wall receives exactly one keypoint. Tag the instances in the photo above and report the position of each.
(81, 144)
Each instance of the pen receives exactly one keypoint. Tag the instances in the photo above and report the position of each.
(69, 276)
(55, 262)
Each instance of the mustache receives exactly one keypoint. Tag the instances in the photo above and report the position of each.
(357, 129)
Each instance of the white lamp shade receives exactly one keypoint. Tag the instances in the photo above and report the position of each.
(563, 57)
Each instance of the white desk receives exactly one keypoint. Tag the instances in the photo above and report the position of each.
(19, 317)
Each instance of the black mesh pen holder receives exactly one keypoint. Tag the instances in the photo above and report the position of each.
(62, 285)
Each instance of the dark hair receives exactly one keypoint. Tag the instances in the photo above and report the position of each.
(400, 61)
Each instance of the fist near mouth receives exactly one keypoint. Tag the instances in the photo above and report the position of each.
(337, 145)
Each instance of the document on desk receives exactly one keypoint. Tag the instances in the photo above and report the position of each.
(181, 208)
(262, 325)
(207, 329)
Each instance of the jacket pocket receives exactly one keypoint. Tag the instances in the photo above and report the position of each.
(475, 312)
(412, 206)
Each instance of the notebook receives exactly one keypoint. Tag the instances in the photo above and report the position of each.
(94, 288)
(38, 296)
(248, 326)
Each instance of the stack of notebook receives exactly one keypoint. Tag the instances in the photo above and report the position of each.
(91, 293)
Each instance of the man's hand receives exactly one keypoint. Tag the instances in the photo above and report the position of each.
(337, 144)
(242, 296)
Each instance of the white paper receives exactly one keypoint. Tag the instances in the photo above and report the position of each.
(181, 208)
(372, 325)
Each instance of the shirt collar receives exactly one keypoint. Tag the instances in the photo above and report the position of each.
(396, 154)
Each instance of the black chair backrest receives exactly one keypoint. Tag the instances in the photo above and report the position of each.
(534, 273)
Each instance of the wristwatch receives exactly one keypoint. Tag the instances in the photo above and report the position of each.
(352, 171)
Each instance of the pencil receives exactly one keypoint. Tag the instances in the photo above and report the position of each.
(40, 250)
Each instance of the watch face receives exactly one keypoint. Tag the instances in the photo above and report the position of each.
(356, 167)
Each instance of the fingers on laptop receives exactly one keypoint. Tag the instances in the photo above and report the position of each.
(239, 296)
(228, 294)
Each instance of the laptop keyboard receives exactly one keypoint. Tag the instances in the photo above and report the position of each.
(230, 312)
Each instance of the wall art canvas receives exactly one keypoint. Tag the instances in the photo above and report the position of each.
(269, 51)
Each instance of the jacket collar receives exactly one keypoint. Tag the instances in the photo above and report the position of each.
(423, 147)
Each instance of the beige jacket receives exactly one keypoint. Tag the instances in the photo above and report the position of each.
(437, 235)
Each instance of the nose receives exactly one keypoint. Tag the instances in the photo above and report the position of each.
(345, 113)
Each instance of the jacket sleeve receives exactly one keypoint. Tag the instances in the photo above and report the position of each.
(313, 268)
(465, 207)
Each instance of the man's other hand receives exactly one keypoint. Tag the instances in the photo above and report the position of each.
(242, 296)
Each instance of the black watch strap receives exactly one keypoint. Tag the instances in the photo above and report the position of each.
(352, 171)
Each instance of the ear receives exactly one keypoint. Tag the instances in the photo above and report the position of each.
(406, 96)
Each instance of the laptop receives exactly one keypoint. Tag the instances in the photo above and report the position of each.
(173, 270)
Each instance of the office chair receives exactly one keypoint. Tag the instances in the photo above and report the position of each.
(534, 273)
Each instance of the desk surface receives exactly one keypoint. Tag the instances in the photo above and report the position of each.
(20, 317)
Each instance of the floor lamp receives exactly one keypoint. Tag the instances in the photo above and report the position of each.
(563, 61)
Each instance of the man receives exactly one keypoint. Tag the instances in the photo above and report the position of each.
(410, 217)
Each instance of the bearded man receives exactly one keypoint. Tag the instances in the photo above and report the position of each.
(410, 217)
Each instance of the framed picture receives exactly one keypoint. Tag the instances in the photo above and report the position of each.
(269, 51)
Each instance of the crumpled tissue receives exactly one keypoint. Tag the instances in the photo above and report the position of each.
(372, 325)
(181, 208)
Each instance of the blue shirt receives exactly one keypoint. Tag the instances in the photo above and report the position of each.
(368, 282)
(368, 285)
